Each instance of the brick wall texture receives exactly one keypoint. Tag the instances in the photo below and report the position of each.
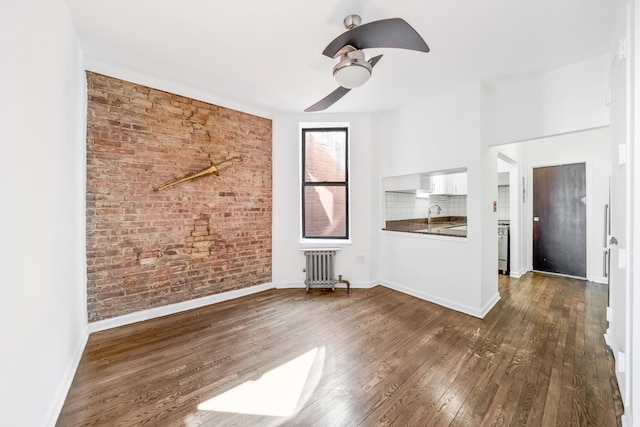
(147, 249)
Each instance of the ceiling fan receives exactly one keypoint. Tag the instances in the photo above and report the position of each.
(352, 69)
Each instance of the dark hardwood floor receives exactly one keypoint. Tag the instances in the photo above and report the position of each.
(372, 357)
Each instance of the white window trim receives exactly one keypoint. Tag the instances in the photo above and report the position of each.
(311, 243)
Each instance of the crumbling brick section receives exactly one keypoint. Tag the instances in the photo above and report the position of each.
(200, 242)
(146, 249)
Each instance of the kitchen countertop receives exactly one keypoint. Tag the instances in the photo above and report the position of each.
(454, 226)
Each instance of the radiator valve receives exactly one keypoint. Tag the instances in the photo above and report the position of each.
(340, 280)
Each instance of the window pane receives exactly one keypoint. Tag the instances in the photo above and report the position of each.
(325, 156)
(325, 211)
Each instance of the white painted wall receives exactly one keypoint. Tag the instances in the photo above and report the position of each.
(560, 101)
(288, 260)
(42, 126)
(622, 194)
(511, 160)
(436, 134)
(634, 358)
(489, 226)
(590, 147)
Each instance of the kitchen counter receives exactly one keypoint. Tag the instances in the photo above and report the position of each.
(455, 226)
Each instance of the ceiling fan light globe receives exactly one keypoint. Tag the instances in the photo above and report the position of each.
(352, 73)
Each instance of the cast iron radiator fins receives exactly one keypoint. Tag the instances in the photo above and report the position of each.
(320, 270)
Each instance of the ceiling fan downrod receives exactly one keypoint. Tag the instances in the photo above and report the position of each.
(352, 21)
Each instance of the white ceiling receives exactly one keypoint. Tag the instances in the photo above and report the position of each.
(268, 53)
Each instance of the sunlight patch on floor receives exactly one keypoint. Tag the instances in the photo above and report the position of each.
(277, 393)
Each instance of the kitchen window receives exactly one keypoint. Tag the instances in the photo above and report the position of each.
(325, 183)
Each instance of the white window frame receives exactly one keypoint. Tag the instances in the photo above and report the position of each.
(316, 241)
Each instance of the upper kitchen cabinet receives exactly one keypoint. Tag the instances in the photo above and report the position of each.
(403, 183)
(460, 183)
(450, 183)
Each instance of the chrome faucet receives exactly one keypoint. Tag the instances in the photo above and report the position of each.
(438, 210)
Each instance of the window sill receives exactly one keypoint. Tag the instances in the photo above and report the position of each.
(317, 243)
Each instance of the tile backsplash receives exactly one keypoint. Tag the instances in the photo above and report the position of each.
(503, 202)
(450, 205)
(408, 206)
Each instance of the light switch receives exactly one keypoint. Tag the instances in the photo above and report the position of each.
(622, 262)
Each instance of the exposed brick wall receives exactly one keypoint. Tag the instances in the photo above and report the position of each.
(147, 249)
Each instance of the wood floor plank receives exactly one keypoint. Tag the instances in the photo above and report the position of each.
(547, 356)
(423, 374)
(380, 358)
(514, 366)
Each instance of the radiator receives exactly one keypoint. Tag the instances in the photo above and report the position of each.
(320, 269)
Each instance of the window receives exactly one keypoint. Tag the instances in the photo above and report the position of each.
(325, 183)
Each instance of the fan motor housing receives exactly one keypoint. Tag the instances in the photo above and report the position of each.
(352, 70)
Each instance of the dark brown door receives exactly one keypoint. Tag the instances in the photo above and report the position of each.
(560, 220)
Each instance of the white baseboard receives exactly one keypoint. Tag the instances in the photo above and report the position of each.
(597, 279)
(65, 385)
(489, 305)
(625, 422)
(140, 316)
(517, 274)
(476, 312)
